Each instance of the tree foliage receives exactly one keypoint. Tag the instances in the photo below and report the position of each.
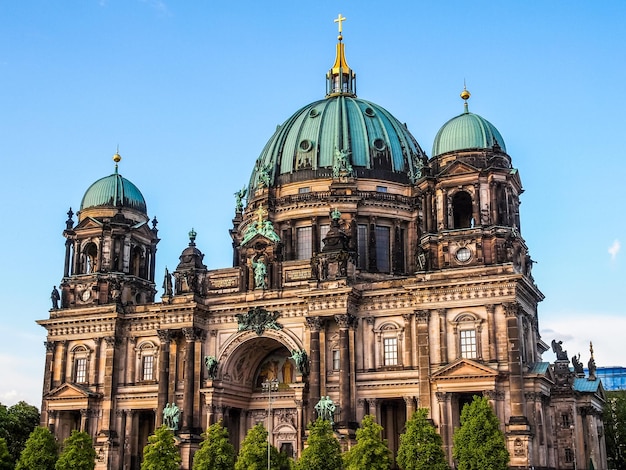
(161, 452)
(253, 452)
(40, 451)
(421, 445)
(479, 443)
(16, 424)
(323, 451)
(77, 453)
(371, 451)
(216, 452)
(614, 417)
(6, 462)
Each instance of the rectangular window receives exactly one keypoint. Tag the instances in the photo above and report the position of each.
(390, 353)
(323, 232)
(304, 242)
(336, 360)
(569, 455)
(381, 189)
(306, 189)
(382, 249)
(362, 246)
(80, 370)
(565, 421)
(468, 344)
(147, 368)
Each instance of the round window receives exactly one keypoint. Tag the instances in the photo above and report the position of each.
(306, 145)
(313, 113)
(463, 254)
(379, 144)
(369, 112)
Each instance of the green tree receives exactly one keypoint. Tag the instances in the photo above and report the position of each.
(323, 451)
(161, 452)
(479, 443)
(40, 451)
(6, 462)
(216, 452)
(253, 452)
(421, 445)
(16, 424)
(77, 453)
(614, 417)
(371, 449)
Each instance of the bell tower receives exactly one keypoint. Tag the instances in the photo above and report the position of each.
(110, 253)
(470, 201)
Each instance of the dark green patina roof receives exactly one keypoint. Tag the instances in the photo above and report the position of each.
(467, 131)
(308, 142)
(114, 191)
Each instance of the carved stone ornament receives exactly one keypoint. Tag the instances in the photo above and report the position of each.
(258, 320)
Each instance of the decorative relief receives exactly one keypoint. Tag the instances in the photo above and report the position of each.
(258, 320)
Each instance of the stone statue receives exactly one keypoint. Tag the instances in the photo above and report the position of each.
(302, 361)
(167, 283)
(239, 195)
(55, 297)
(260, 270)
(342, 166)
(171, 416)
(578, 367)
(591, 365)
(557, 348)
(325, 409)
(211, 366)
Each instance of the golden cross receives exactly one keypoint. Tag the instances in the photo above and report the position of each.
(260, 213)
(339, 20)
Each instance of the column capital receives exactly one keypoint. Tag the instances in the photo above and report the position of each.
(315, 324)
(422, 316)
(346, 321)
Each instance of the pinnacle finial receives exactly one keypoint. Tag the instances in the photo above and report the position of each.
(340, 19)
(465, 95)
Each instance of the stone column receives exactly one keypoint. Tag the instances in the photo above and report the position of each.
(514, 361)
(371, 342)
(68, 251)
(164, 366)
(428, 216)
(131, 358)
(130, 438)
(63, 357)
(408, 343)
(315, 325)
(410, 406)
(491, 328)
(423, 357)
(109, 382)
(83, 420)
(373, 405)
(188, 395)
(48, 369)
(445, 424)
(344, 322)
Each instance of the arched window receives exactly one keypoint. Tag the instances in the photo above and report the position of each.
(462, 210)
(90, 258)
(137, 262)
(147, 361)
(389, 337)
(80, 364)
(467, 328)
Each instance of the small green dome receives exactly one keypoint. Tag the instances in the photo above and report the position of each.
(114, 191)
(468, 131)
(306, 145)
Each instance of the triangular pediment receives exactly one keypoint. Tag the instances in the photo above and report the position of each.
(88, 222)
(259, 238)
(458, 168)
(70, 391)
(463, 369)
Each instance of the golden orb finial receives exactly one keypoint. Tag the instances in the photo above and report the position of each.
(117, 157)
(465, 94)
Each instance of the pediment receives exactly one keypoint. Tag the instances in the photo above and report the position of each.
(463, 369)
(458, 168)
(70, 391)
(259, 238)
(88, 222)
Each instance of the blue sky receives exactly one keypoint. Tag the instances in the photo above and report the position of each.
(191, 91)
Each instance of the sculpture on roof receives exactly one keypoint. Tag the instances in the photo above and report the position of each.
(55, 297)
(167, 283)
(239, 195)
(591, 365)
(578, 366)
(342, 166)
(557, 348)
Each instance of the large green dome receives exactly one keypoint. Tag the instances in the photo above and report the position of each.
(114, 191)
(468, 131)
(306, 145)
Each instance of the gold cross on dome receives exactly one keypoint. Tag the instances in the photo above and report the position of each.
(339, 20)
(260, 214)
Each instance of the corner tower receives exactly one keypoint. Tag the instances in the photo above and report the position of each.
(110, 252)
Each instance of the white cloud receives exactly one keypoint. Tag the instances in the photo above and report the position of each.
(614, 249)
(577, 330)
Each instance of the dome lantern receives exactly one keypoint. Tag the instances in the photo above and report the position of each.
(340, 79)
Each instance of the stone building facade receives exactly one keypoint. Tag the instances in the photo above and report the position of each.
(363, 270)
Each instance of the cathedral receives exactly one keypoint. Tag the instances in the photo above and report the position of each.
(367, 278)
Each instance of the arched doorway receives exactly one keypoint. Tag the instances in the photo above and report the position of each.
(239, 399)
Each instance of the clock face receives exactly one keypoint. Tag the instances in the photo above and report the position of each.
(86, 295)
(463, 254)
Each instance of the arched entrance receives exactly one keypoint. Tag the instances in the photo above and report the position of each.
(238, 398)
